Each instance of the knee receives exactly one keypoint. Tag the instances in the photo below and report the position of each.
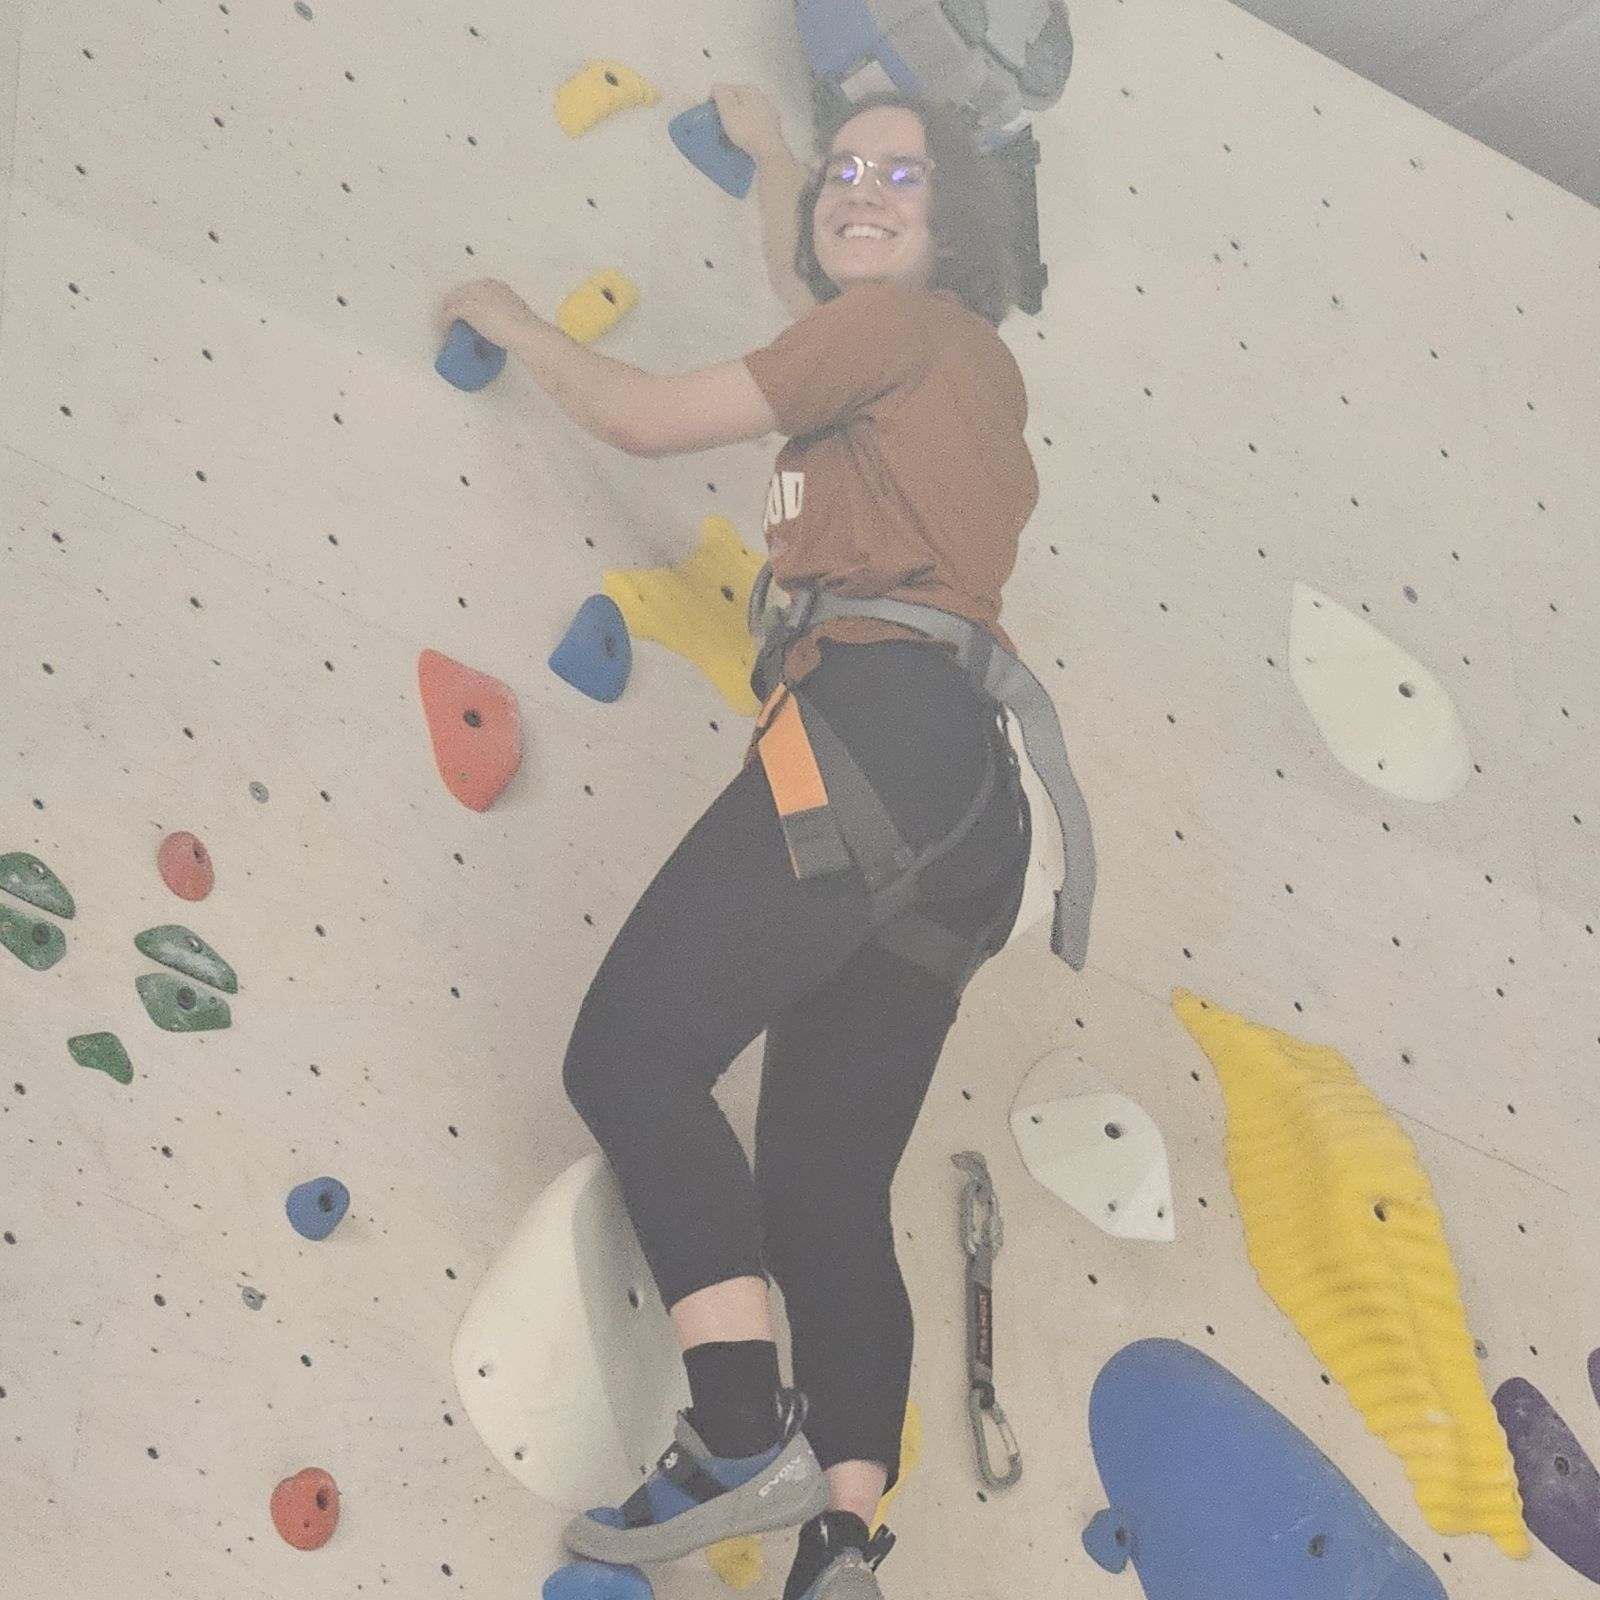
(621, 1064)
(577, 1075)
(590, 1068)
(810, 1227)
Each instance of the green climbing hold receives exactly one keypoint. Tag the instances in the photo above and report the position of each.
(181, 1008)
(33, 941)
(104, 1053)
(174, 946)
(28, 878)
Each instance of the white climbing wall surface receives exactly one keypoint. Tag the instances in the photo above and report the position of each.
(1298, 336)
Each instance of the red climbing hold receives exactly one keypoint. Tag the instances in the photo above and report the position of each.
(476, 731)
(185, 866)
(305, 1508)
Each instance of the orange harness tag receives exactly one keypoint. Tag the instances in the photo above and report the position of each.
(811, 831)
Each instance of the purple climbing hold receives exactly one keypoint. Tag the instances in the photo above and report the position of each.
(1560, 1487)
(1594, 1375)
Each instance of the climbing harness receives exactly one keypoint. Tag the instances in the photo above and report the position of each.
(833, 821)
(982, 1245)
(832, 814)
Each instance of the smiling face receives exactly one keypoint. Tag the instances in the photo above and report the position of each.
(898, 245)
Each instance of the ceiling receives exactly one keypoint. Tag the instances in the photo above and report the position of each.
(1521, 76)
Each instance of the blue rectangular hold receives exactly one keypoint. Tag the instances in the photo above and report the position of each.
(699, 134)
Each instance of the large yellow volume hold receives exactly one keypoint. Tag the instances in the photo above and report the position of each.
(698, 608)
(1344, 1234)
(603, 87)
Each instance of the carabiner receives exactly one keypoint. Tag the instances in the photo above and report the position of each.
(792, 617)
(756, 607)
(775, 628)
(978, 1411)
(979, 1192)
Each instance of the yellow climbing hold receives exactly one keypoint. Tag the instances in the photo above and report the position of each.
(603, 87)
(597, 306)
(1344, 1234)
(740, 1563)
(697, 608)
(910, 1455)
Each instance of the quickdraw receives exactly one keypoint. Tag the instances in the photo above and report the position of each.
(982, 1244)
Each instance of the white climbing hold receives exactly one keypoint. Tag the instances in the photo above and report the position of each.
(1384, 715)
(566, 1361)
(1103, 1155)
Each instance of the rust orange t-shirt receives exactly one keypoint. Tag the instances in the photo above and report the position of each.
(905, 472)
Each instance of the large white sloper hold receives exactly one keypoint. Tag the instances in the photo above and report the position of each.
(1384, 715)
(1103, 1155)
(566, 1361)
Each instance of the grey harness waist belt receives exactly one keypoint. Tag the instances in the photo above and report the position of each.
(1004, 678)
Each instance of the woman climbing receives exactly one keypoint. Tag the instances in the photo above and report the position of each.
(905, 474)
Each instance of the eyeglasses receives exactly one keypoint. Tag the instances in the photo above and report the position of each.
(845, 171)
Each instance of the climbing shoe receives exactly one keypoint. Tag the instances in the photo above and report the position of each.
(836, 1561)
(694, 1498)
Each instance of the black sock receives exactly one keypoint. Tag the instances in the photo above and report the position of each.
(734, 1383)
(821, 1539)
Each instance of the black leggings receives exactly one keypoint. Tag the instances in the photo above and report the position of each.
(726, 943)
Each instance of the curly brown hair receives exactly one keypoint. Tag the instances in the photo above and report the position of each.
(975, 215)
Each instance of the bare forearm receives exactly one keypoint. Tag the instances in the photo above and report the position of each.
(594, 390)
(780, 178)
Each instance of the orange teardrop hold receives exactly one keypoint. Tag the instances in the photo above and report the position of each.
(475, 728)
(185, 867)
(305, 1509)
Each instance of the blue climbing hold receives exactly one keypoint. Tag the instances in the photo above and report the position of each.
(1108, 1542)
(597, 1580)
(318, 1207)
(698, 133)
(1216, 1496)
(596, 656)
(468, 361)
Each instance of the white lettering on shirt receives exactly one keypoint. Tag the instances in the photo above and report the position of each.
(785, 497)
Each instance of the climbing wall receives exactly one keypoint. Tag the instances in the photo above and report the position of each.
(1313, 582)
